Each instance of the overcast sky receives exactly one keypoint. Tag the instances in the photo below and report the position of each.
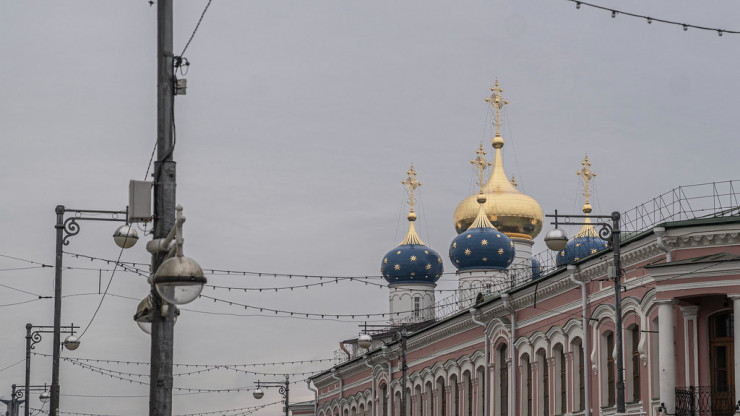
(299, 123)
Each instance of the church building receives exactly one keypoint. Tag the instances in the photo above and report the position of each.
(545, 335)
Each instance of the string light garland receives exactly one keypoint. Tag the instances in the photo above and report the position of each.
(225, 412)
(650, 20)
(188, 373)
(352, 316)
(188, 365)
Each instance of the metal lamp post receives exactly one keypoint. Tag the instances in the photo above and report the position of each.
(556, 240)
(124, 236)
(33, 337)
(365, 341)
(19, 392)
(283, 389)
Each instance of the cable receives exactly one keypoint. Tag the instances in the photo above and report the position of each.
(649, 19)
(12, 365)
(196, 28)
(25, 260)
(26, 301)
(24, 291)
(113, 273)
(149, 166)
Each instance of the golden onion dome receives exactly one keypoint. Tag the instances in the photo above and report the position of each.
(510, 211)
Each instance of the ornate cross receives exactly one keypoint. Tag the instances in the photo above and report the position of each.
(497, 102)
(480, 164)
(587, 175)
(411, 184)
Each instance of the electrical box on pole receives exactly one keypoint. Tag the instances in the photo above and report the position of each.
(139, 201)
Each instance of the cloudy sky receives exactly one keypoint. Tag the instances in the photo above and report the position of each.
(300, 121)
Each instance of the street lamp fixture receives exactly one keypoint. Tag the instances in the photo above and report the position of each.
(33, 337)
(179, 279)
(283, 389)
(403, 335)
(145, 314)
(610, 232)
(44, 397)
(364, 341)
(124, 236)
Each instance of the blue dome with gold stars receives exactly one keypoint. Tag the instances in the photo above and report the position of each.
(581, 246)
(481, 246)
(411, 261)
(587, 241)
(536, 269)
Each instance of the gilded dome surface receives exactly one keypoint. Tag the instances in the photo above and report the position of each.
(510, 211)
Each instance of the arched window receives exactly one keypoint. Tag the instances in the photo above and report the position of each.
(480, 391)
(430, 399)
(559, 379)
(544, 383)
(635, 376)
(384, 399)
(469, 392)
(527, 377)
(454, 396)
(610, 370)
(580, 359)
(442, 397)
(419, 404)
(503, 381)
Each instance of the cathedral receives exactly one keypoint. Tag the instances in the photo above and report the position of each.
(544, 336)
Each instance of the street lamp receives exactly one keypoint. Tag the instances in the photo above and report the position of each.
(66, 228)
(556, 240)
(33, 337)
(145, 314)
(283, 389)
(366, 339)
(19, 392)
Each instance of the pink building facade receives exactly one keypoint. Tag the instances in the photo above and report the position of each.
(529, 354)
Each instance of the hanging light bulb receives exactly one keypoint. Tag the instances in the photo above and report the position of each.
(685, 27)
(578, 5)
(719, 32)
(650, 20)
(614, 14)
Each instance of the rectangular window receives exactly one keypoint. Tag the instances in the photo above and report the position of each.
(417, 307)
(504, 382)
(545, 387)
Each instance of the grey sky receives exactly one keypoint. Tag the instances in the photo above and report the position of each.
(300, 121)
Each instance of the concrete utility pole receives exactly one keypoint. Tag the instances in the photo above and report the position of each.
(160, 390)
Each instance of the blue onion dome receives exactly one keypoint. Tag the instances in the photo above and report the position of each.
(536, 269)
(481, 246)
(411, 261)
(584, 244)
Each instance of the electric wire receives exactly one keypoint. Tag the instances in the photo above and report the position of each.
(196, 28)
(12, 365)
(25, 260)
(685, 26)
(24, 291)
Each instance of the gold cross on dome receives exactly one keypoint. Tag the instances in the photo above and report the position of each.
(411, 184)
(480, 164)
(587, 175)
(497, 102)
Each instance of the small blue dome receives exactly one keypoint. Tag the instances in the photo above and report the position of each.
(584, 244)
(411, 263)
(481, 246)
(536, 269)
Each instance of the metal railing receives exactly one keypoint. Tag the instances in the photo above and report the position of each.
(705, 401)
